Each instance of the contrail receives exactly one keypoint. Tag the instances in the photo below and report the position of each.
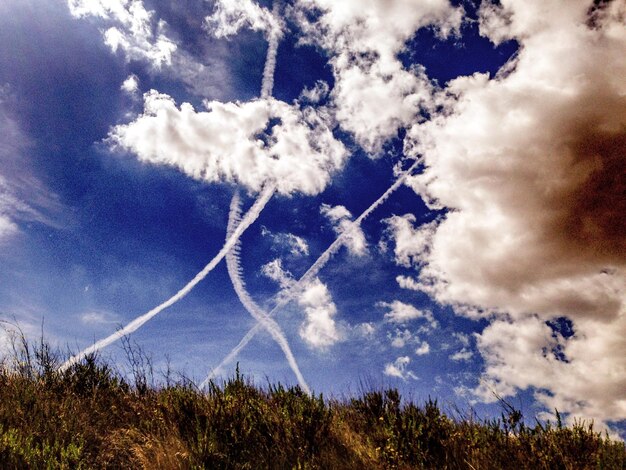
(248, 219)
(311, 272)
(234, 271)
(275, 33)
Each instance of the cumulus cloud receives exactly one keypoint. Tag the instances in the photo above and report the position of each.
(581, 374)
(374, 93)
(319, 329)
(423, 349)
(412, 244)
(530, 165)
(342, 221)
(252, 144)
(398, 369)
(131, 85)
(230, 16)
(402, 313)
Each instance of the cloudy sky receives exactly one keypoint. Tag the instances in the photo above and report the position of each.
(427, 195)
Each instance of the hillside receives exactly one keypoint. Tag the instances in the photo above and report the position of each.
(92, 417)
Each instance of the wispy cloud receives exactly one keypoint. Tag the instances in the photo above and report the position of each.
(23, 197)
(402, 313)
(138, 34)
(293, 244)
(341, 219)
(99, 318)
(399, 369)
(462, 355)
(400, 338)
(133, 29)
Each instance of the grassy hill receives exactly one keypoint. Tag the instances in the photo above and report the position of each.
(91, 417)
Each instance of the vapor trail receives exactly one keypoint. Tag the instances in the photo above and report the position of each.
(275, 33)
(247, 220)
(234, 271)
(312, 272)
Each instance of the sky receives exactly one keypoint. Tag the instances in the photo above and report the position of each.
(426, 195)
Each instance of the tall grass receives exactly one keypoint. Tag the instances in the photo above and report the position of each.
(92, 416)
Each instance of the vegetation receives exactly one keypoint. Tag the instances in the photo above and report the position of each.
(92, 417)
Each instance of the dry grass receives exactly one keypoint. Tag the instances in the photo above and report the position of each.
(91, 417)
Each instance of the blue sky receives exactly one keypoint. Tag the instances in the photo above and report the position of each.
(496, 267)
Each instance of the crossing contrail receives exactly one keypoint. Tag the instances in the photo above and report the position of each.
(312, 272)
(247, 220)
(234, 271)
(275, 33)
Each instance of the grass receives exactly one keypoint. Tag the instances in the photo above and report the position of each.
(90, 416)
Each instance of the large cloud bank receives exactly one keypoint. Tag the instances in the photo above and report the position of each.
(531, 167)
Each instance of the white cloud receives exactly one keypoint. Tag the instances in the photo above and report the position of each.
(319, 329)
(135, 30)
(140, 35)
(398, 369)
(23, 198)
(375, 95)
(547, 217)
(412, 245)
(341, 218)
(275, 271)
(366, 330)
(230, 16)
(131, 85)
(400, 338)
(316, 94)
(10, 209)
(7, 227)
(462, 355)
(528, 353)
(98, 318)
(462, 338)
(253, 144)
(530, 165)
(295, 245)
(402, 313)
(423, 349)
